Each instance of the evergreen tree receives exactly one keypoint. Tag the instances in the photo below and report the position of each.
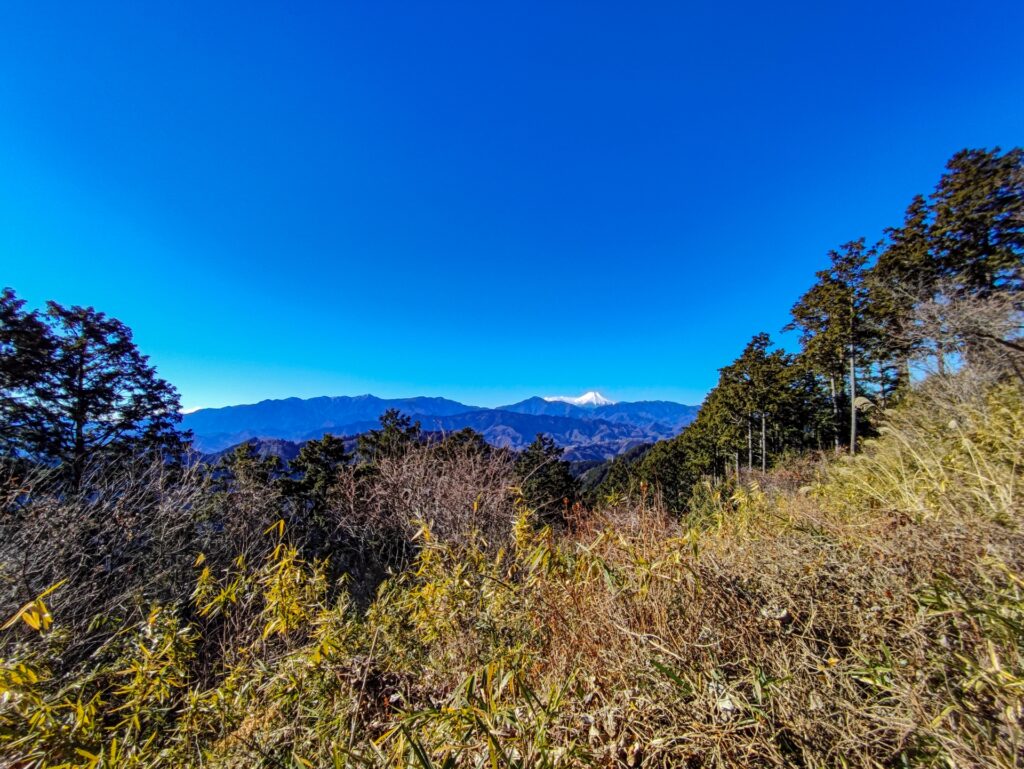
(76, 389)
(244, 464)
(316, 470)
(26, 348)
(978, 231)
(464, 441)
(397, 434)
(618, 480)
(837, 332)
(545, 479)
(758, 381)
(674, 466)
(906, 274)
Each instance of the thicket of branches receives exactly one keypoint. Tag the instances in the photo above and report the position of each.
(866, 612)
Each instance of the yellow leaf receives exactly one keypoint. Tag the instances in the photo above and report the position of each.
(31, 619)
(34, 613)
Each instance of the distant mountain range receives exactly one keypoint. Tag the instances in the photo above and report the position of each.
(590, 427)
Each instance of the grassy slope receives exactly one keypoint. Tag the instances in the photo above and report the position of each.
(864, 613)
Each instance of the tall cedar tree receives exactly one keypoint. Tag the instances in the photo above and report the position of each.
(244, 464)
(859, 327)
(762, 393)
(837, 331)
(25, 352)
(905, 275)
(978, 229)
(93, 396)
(758, 385)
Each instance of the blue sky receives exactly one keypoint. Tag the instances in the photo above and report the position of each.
(479, 200)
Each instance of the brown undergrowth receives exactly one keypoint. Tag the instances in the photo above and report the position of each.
(866, 613)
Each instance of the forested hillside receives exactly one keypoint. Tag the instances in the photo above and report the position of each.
(940, 290)
(824, 569)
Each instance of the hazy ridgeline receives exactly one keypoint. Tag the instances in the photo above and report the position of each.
(825, 569)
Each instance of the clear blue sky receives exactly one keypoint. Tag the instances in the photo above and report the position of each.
(479, 200)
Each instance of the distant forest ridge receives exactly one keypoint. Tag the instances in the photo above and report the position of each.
(588, 432)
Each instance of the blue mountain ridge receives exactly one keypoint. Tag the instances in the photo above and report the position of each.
(587, 432)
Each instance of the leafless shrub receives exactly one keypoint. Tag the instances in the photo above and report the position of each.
(127, 541)
(458, 491)
(986, 332)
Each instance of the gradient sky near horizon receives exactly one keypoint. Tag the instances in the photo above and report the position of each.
(484, 201)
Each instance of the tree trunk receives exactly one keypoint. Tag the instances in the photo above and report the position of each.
(79, 416)
(764, 447)
(853, 402)
(750, 445)
(835, 412)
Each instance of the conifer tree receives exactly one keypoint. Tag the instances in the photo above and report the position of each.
(25, 351)
(397, 434)
(76, 390)
(245, 464)
(906, 274)
(464, 441)
(763, 383)
(545, 479)
(316, 468)
(978, 229)
(837, 331)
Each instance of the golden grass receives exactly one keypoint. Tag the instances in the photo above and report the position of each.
(872, 618)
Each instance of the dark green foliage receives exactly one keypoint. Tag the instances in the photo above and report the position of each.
(397, 434)
(838, 330)
(25, 352)
(966, 239)
(905, 275)
(76, 390)
(615, 477)
(861, 325)
(766, 405)
(316, 470)
(672, 466)
(464, 441)
(978, 230)
(545, 479)
(245, 464)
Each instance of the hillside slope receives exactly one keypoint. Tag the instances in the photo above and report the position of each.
(862, 612)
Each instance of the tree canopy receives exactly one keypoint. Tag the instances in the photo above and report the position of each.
(75, 389)
(871, 312)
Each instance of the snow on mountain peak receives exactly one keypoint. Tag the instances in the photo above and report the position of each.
(592, 398)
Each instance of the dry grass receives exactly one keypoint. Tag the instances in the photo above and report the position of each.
(871, 618)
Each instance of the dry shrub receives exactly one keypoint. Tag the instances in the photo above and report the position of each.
(460, 492)
(126, 542)
(985, 331)
(876, 619)
(954, 450)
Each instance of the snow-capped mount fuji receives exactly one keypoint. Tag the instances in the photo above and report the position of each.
(592, 399)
